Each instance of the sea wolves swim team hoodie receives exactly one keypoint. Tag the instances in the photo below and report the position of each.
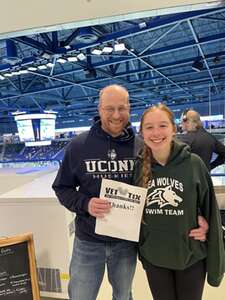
(89, 157)
(175, 193)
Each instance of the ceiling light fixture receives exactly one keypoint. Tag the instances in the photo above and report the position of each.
(17, 112)
(23, 71)
(81, 56)
(8, 75)
(32, 68)
(96, 51)
(42, 67)
(119, 47)
(68, 47)
(142, 25)
(107, 49)
(46, 55)
(50, 111)
(15, 72)
(61, 60)
(72, 58)
(50, 65)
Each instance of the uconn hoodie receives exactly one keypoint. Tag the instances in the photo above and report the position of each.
(175, 193)
(89, 157)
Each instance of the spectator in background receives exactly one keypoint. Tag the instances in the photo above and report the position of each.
(201, 141)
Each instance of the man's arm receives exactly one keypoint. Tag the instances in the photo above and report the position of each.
(65, 186)
(73, 200)
(220, 151)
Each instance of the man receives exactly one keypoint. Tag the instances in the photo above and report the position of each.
(108, 150)
(201, 141)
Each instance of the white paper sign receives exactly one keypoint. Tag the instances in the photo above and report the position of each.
(127, 203)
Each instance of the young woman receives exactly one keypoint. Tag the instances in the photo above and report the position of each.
(179, 186)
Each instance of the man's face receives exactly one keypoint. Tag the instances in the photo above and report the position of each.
(114, 110)
(186, 124)
(158, 132)
(183, 123)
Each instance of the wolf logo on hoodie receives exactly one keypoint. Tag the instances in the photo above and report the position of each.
(164, 196)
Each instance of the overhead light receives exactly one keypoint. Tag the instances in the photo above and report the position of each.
(142, 25)
(50, 64)
(67, 47)
(61, 60)
(50, 111)
(23, 71)
(197, 66)
(32, 69)
(72, 58)
(107, 49)
(16, 72)
(42, 67)
(8, 75)
(81, 56)
(96, 51)
(119, 47)
(15, 113)
(46, 55)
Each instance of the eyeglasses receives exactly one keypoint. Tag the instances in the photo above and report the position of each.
(184, 119)
(111, 110)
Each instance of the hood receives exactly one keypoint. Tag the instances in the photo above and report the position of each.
(127, 134)
(179, 153)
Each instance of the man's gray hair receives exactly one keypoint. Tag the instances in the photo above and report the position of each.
(194, 117)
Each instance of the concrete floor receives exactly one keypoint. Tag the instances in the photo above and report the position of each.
(141, 289)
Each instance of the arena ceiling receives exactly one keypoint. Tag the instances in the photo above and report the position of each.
(178, 59)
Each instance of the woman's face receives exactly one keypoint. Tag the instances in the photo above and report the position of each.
(158, 131)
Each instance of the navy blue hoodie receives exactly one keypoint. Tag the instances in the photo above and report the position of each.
(89, 157)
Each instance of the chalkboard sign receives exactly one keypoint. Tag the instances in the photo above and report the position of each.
(18, 277)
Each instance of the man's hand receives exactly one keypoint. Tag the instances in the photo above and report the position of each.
(200, 232)
(98, 207)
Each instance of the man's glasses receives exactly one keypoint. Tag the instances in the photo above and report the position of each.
(184, 119)
(111, 110)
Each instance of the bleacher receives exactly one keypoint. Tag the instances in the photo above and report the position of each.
(19, 152)
(11, 151)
